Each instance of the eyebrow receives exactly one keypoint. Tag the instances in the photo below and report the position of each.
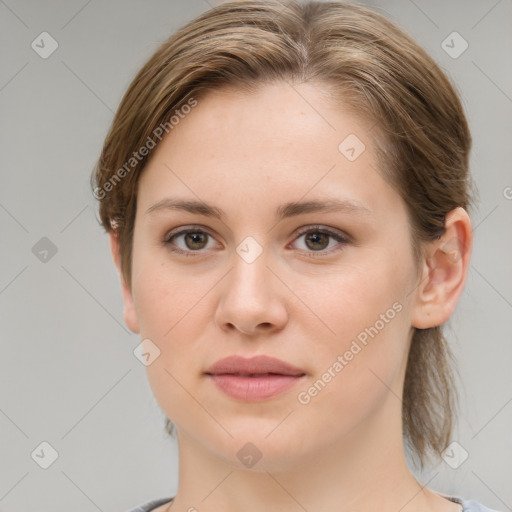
(283, 211)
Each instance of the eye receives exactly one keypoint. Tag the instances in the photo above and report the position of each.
(317, 242)
(193, 240)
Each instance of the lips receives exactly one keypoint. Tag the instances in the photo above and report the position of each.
(254, 366)
(254, 379)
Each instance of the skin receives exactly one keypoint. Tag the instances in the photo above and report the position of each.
(248, 153)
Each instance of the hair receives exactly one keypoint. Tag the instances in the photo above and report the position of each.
(365, 63)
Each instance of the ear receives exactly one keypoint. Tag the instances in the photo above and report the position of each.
(130, 313)
(444, 272)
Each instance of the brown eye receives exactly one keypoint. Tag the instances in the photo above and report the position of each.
(317, 240)
(195, 241)
(188, 241)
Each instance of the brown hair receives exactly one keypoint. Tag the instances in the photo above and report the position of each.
(367, 64)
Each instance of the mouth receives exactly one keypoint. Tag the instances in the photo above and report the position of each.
(241, 374)
(255, 379)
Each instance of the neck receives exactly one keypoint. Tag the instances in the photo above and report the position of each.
(366, 468)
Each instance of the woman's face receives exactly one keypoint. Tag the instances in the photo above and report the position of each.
(268, 279)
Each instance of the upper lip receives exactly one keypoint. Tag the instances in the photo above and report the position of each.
(254, 365)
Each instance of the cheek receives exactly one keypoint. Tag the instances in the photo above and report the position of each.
(357, 374)
(348, 302)
(156, 303)
(168, 306)
(362, 353)
(163, 295)
(168, 309)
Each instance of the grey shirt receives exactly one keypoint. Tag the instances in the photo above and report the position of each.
(468, 505)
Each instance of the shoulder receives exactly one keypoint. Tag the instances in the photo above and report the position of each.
(473, 506)
(469, 505)
(150, 505)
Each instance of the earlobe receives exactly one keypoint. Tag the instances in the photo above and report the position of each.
(129, 310)
(444, 273)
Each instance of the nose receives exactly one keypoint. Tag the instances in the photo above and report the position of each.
(252, 299)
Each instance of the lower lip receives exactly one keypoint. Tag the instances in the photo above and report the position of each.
(252, 389)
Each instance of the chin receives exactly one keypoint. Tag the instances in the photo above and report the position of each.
(260, 446)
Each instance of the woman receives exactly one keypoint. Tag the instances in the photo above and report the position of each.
(286, 189)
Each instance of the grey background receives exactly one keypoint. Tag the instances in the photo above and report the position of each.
(67, 369)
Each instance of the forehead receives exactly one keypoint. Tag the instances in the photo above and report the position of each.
(279, 141)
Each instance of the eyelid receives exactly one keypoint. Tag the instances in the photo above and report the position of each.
(324, 229)
(184, 229)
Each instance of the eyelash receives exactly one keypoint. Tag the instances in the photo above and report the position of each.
(343, 239)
